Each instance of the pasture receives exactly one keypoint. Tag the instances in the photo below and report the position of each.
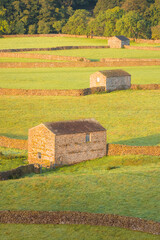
(125, 190)
(67, 232)
(68, 78)
(123, 185)
(97, 54)
(48, 42)
(130, 117)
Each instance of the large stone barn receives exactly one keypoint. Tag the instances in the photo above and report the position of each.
(118, 41)
(112, 80)
(68, 142)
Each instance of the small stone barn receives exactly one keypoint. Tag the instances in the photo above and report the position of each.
(112, 80)
(63, 143)
(118, 42)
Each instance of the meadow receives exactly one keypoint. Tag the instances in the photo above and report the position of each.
(130, 117)
(48, 42)
(6, 59)
(68, 78)
(67, 232)
(126, 189)
(97, 54)
(123, 185)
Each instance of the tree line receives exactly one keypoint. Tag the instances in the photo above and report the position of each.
(132, 18)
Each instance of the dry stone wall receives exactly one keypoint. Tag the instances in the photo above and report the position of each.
(41, 56)
(53, 92)
(109, 63)
(116, 149)
(13, 143)
(142, 48)
(94, 219)
(112, 149)
(51, 49)
(19, 172)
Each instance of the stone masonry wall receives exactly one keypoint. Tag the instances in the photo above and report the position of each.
(13, 143)
(118, 83)
(41, 140)
(114, 43)
(73, 148)
(142, 48)
(93, 80)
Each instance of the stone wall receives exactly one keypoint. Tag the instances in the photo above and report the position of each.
(41, 141)
(101, 80)
(73, 148)
(93, 219)
(19, 172)
(145, 86)
(52, 92)
(112, 149)
(13, 143)
(142, 48)
(51, 49)
(117, 149)
(41, 56)
(109, 63)
(118, 83)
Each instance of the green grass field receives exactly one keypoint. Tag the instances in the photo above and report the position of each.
(48, 42)
(68, 232)
(12, 158)
(126, 190)
(68, 78)
(130, 117)
(97, 54)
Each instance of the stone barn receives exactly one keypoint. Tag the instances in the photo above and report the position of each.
(112, 80)
(118, 42)
(68, 142)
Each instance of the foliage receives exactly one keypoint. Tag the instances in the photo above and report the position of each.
(4, 26)
(156, 32)
(135, 5)
(152, 14)
(77, 24)
(103, 5)
(32, 29)
(133, 25)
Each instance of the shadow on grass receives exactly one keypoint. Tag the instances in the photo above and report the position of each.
(9, 135)
(151, 140)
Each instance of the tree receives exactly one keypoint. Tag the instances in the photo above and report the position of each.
(4, 26)
(152, 14)
(103, 5)
(77, 24)
(156, 32)
(133, 25)
(32, 29)
(135, 5)
(43, 27)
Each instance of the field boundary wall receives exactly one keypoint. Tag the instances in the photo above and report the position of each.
(69, 92)
(142, 48)
(52, 92)
(93, 219)
(113, 63)
(42, 56)
(19, 172)
(112, 149)
(52, 49)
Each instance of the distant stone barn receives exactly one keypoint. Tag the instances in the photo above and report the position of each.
(68, 142)
(112, 80)
(118, 41)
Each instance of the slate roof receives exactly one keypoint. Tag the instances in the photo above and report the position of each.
(114, 73)
(122, 38)
(76, 126)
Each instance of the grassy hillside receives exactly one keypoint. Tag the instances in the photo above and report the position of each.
(97, 54)
(68, 78)
(125, 190)
(130, 117)
(67, 232)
